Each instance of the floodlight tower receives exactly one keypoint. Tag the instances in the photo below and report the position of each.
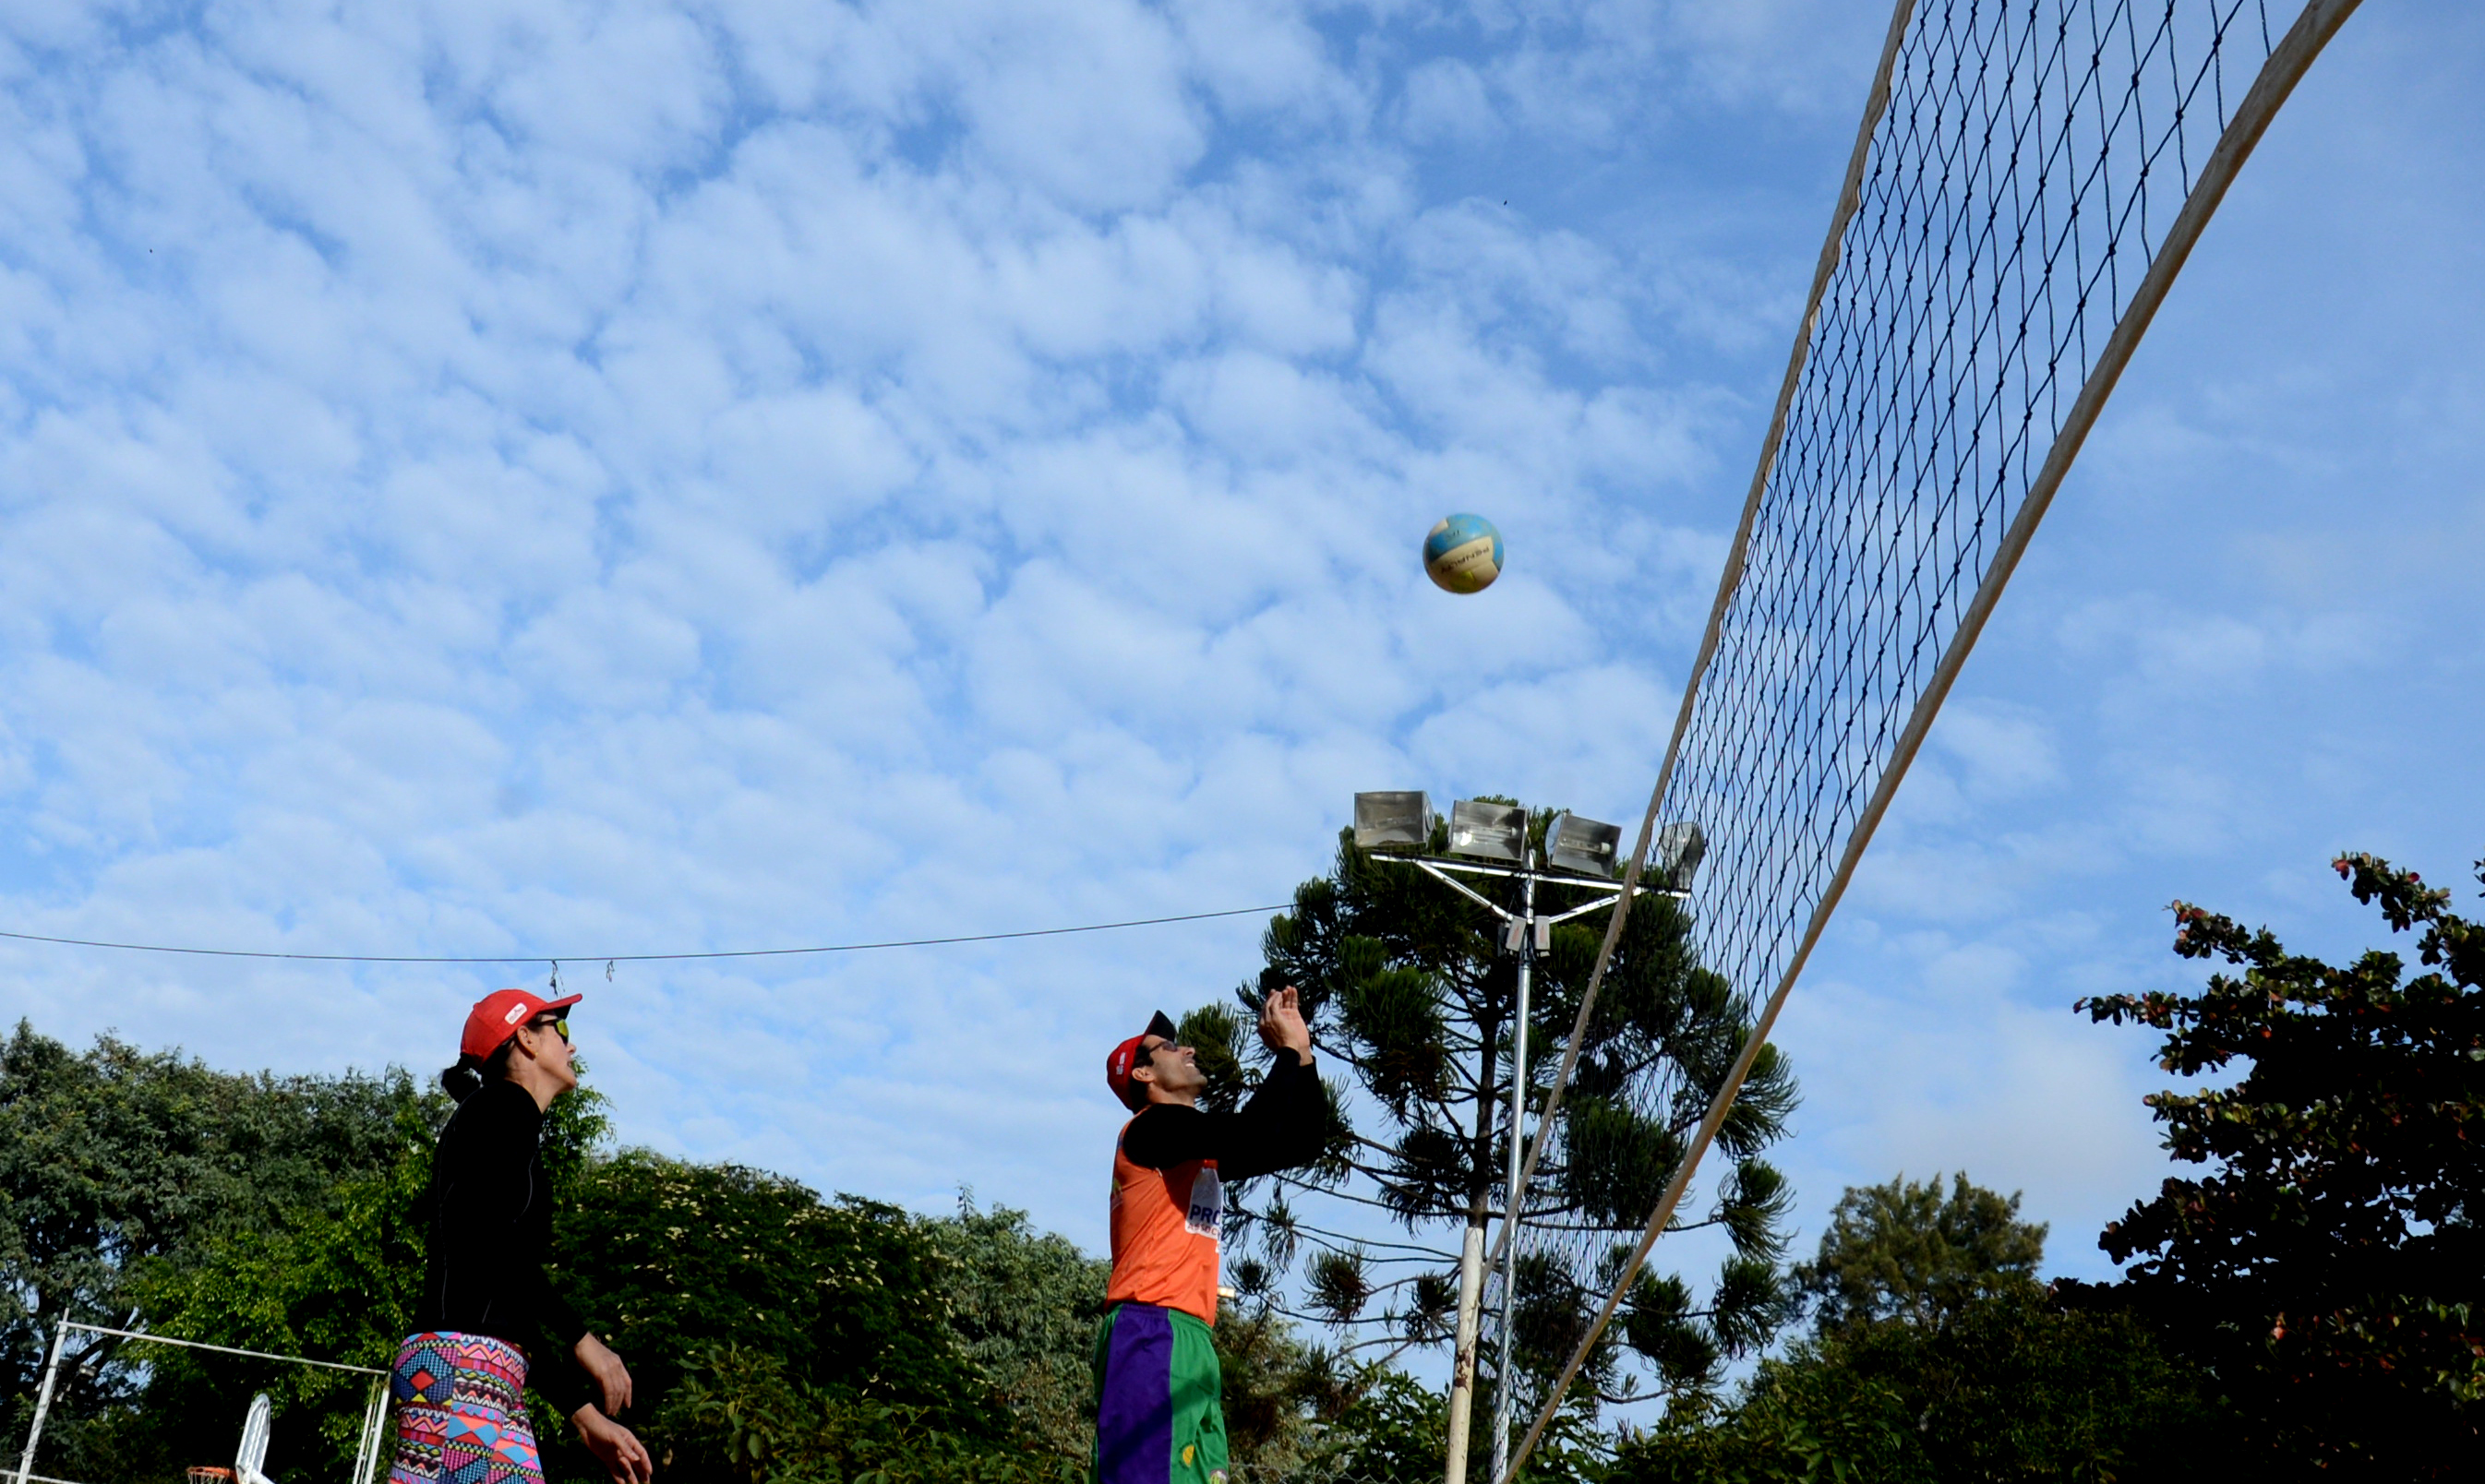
(1583, 850)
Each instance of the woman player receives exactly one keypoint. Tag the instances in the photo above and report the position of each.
(487, 1313)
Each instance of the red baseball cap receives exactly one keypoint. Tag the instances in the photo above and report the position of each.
(497, 1017)
(1126, 1056)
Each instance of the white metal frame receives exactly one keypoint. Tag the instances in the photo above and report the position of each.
(1529, 934)
(367, 1453)
(251, 1457)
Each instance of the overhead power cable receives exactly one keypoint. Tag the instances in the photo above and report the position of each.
(731, 952)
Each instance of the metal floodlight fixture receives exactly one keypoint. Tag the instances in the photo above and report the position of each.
(1585, 845)
(1679, 848)
(1493, 831)
(1393, 818)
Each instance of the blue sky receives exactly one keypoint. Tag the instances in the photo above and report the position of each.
(635, 478)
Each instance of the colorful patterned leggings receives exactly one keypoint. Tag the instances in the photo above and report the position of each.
(461, 1412)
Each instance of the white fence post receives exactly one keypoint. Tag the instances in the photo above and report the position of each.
(42, 1403)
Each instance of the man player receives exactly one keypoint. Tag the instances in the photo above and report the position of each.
(1159, 1418)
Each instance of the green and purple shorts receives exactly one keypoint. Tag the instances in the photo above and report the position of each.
(1159, 1416)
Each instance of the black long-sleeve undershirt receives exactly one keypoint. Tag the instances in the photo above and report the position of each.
(1279, 1129)
(490, 1223)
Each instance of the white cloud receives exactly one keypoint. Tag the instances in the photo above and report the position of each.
(595, 478)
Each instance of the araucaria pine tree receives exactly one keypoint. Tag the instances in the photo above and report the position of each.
(1413, 998)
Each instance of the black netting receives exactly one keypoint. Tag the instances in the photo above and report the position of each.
(2021, 181)
(2030, 160)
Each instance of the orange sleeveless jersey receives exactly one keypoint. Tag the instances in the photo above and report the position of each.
(1166, 1227)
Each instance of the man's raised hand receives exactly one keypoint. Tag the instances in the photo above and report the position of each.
(1281, 1024)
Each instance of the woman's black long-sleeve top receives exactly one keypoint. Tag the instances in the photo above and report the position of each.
(491, 1222)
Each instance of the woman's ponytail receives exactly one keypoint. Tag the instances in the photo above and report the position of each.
(467, 1078)
(464, 1080)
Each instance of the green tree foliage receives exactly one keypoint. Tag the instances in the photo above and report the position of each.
(124, 1173)
(1281, 1394)
(1024, 1305)
(333, 1275)
(335, 1279)
(1903, 1251)
(1394, 1431)
(1023, 1308)
(1938, 1357)
(772, 1334)
(2330, 1269)
(740, 1416)
(2006, 1387)
(847, 1298)
(1411, 995)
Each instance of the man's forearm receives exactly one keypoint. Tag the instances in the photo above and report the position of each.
(1280, 1127)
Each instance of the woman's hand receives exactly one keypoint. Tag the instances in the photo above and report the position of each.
(611, 1377)
(618, 1450)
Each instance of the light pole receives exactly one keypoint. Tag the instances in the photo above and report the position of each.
(1487, 831)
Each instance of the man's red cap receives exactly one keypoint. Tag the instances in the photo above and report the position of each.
(497, 1017)
(1126, 1056)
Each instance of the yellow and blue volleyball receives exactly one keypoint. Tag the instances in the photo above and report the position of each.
(1462, 554)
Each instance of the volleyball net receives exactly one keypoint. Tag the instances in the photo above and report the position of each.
(2027, 180)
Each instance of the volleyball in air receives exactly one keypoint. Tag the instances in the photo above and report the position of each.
(1462, 554)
